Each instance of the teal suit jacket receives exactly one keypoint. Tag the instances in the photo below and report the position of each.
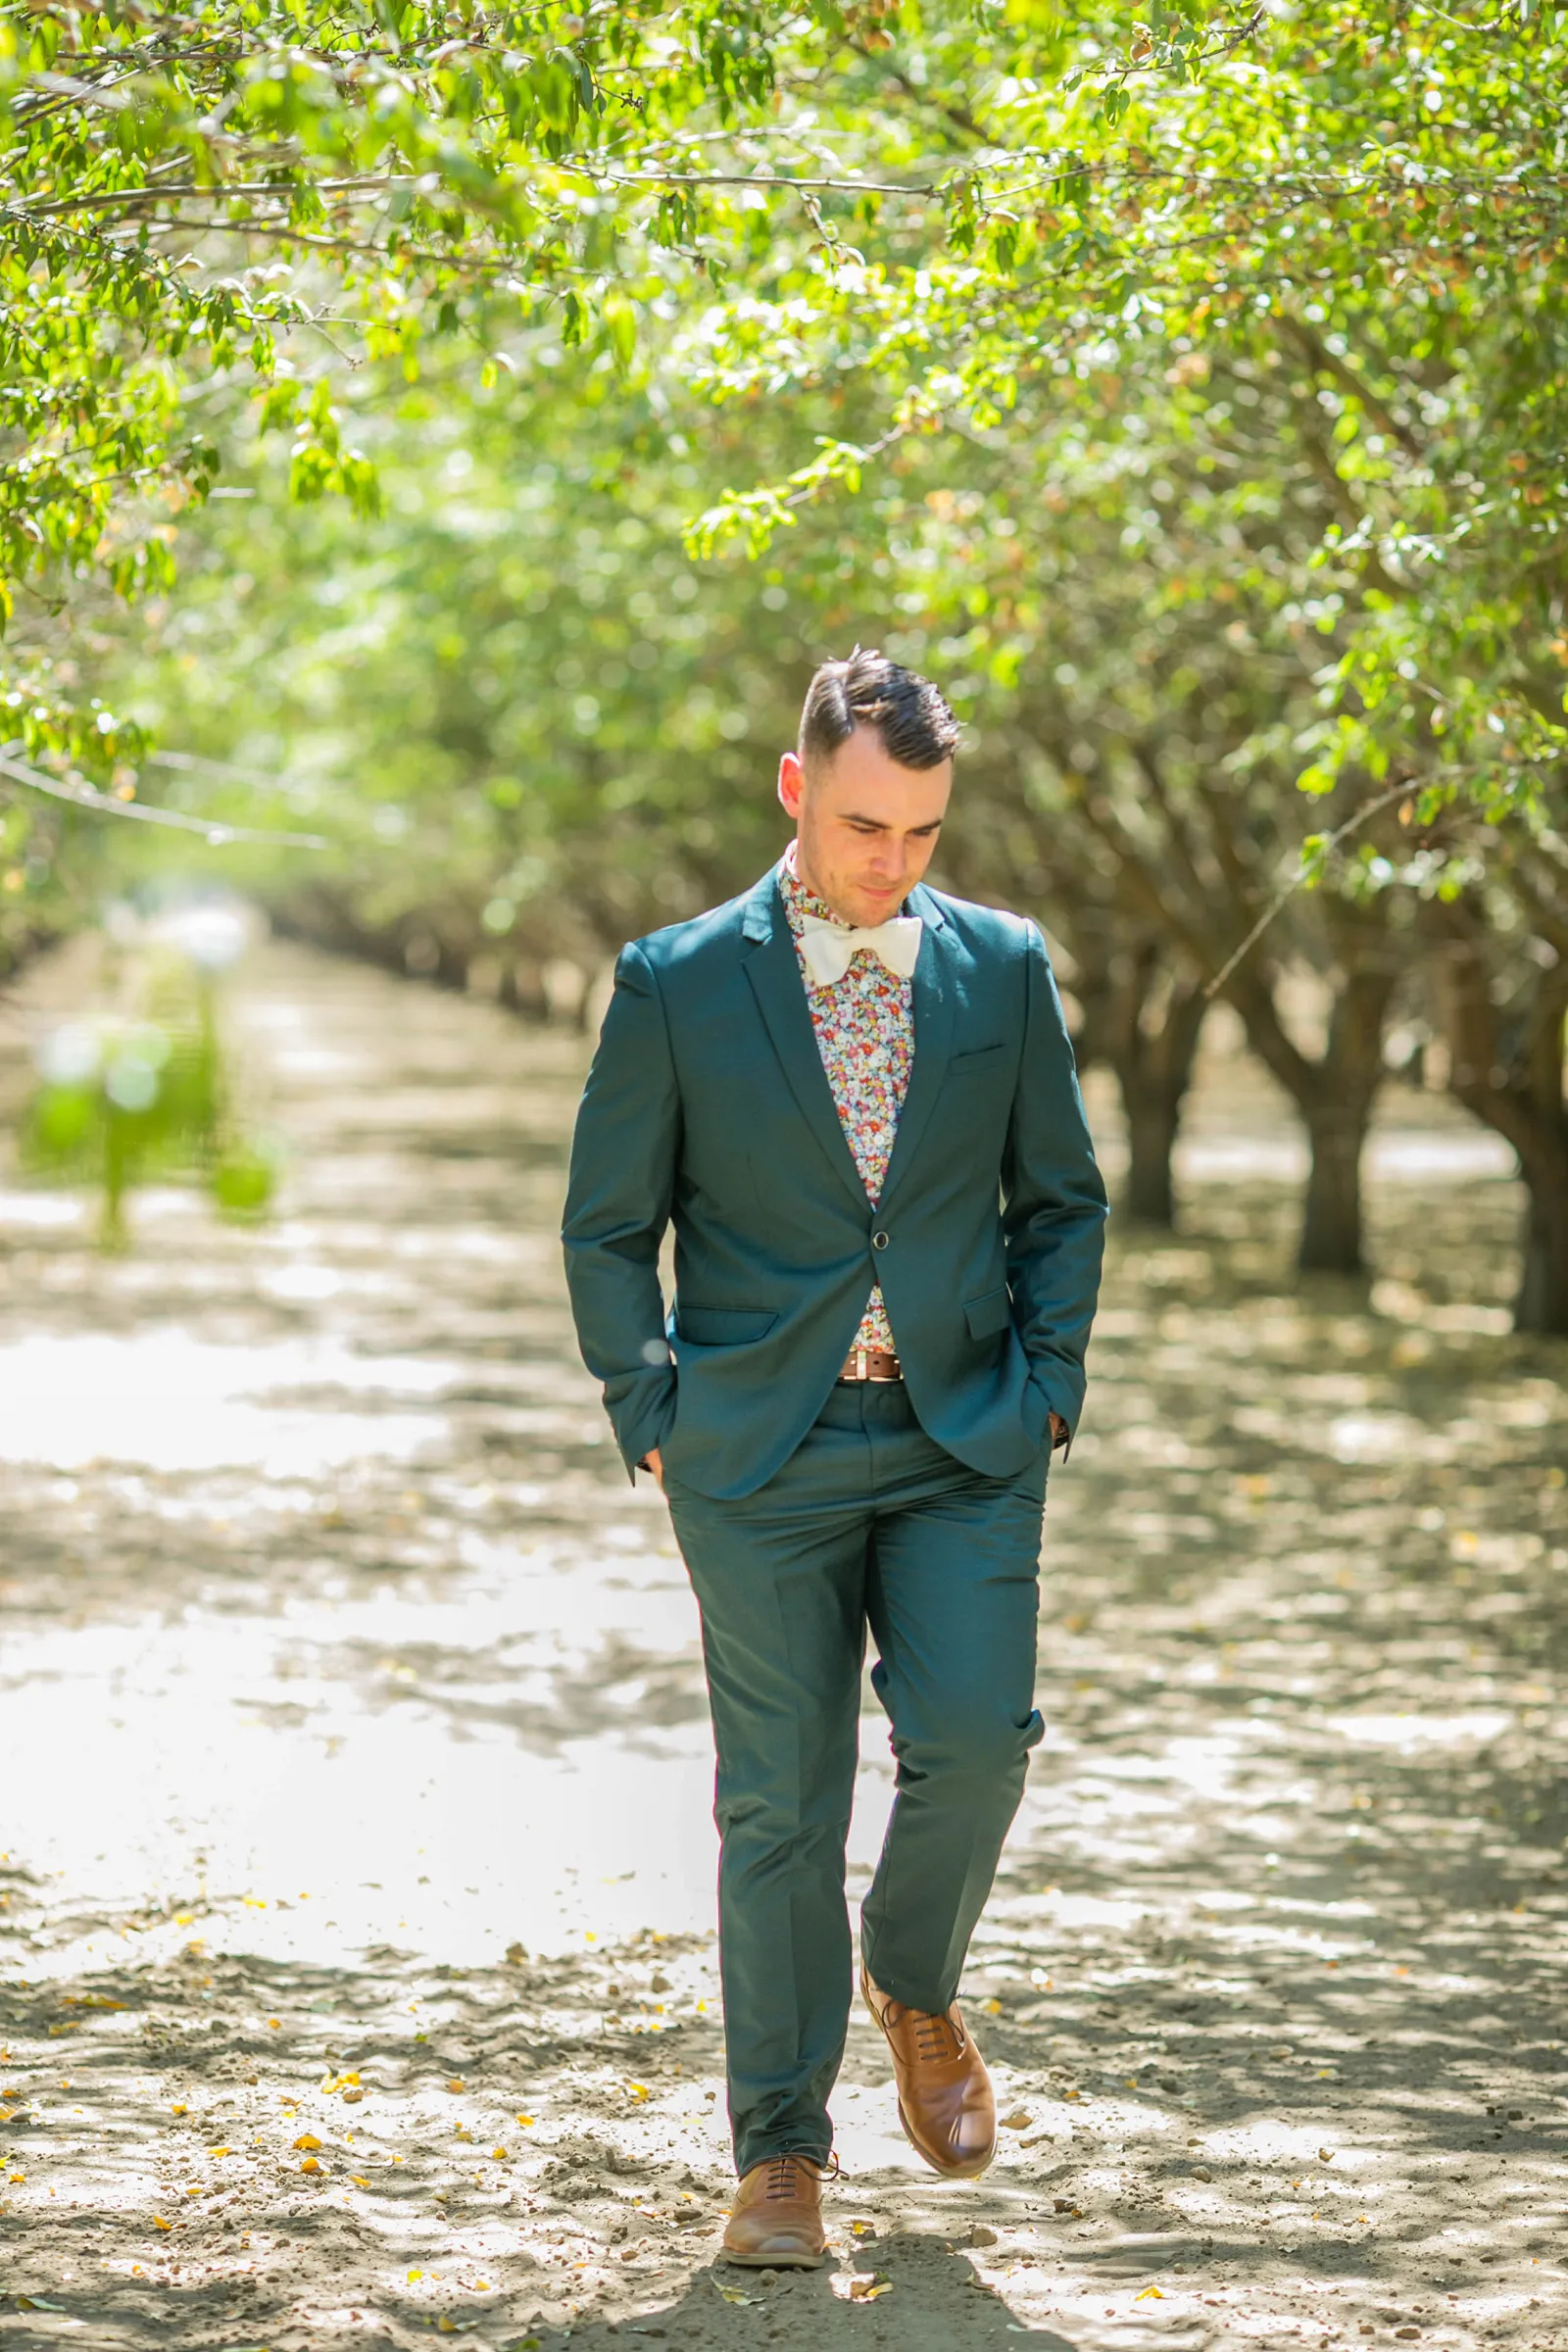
(707, 1107)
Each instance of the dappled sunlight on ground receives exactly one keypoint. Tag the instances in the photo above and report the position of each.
(356, 1975)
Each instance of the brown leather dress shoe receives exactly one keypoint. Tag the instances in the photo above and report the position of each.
(776, 2221)
(944, 2099)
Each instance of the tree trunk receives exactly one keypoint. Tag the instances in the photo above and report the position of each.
(1334, 1096)
(1151, 1123)
(1330, 1216)
(1507, 1065)
(1542, 1303)
(1153, 1066)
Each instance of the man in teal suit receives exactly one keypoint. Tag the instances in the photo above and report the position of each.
(854, 1098)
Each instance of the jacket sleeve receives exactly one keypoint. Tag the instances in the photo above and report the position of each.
(625, 1154)
(1054, 1203)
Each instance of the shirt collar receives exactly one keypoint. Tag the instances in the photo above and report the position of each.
(799, 900)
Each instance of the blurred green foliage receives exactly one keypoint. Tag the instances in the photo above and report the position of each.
(127, 1097)
(1188, 393)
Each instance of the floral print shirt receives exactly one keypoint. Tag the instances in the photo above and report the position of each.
(865, 1027)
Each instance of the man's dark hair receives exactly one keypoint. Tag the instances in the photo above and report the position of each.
(910, 714)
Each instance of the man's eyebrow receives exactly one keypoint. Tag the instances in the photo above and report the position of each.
(878, 824)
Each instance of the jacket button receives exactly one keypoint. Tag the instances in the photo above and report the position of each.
(879, 1241)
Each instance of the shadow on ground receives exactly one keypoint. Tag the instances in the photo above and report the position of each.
(339, 2002)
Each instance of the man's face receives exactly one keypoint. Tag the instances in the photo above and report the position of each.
(865, 827)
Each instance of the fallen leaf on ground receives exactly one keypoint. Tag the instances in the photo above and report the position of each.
(735, 2294)
(526, 2121)
(456, 2082)
(307, 2139)
(639, 2091)
(358, 2181)
(159, 2222)
(1325, 2155)
(1157, 2292)
(866, 2291)
(310, 2165)
(1018, 2121)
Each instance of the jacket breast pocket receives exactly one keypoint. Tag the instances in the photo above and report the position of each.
(723, 1325)
(988, 1314)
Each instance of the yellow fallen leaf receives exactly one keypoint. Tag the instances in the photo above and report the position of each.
(991, 2008)
(310, 2164)
(736, 2294)
(446, 2327)
(180, 2110)
(481, 2286)
(1156, 2291)
(159, 2222)
(358, 2181)
(414, 2277)
(456, 2082)
(526, 2121)
(184, 1919)
(18, 2176)
(253, 1903)
(220, 2151)
(639, 2091)
(275, 2023)
(867, 2290)
(501, 2156)
(307, 2139)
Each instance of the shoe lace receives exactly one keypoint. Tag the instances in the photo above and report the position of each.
(781, 2180)
(936, 2037)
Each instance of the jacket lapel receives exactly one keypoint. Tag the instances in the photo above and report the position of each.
(935, 1003)
(773, 971)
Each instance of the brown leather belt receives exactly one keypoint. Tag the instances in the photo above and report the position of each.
(871, 1363)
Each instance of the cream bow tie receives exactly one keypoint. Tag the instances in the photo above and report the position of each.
(827, 948)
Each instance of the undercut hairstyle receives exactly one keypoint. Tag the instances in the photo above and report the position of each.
(911, 715)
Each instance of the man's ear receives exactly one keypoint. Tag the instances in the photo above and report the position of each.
(791, 782)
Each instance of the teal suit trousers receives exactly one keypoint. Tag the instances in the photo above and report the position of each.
(869, 1524)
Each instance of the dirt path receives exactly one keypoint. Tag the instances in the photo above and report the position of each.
(356, 1981)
